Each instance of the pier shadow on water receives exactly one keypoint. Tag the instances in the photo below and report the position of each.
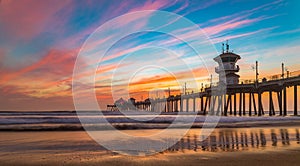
(239, 140)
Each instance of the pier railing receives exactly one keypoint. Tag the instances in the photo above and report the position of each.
(271, 77)
(233, 101)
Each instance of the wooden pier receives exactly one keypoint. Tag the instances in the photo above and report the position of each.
(229, 95)
(214, 101)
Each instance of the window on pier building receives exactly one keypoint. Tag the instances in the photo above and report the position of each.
(228, 59)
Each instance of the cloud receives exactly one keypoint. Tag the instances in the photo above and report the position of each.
(2, 57)
(10, 100)
(20, 21)
(245, 13)
(213, 30)
(229, 37)
(56, 62)
(47, 78)
(153, 5)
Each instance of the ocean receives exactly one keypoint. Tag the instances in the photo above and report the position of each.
(58, 138)
(69, 121)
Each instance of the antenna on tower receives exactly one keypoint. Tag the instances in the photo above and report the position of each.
(256, 72)
(227, 46)
(223, 48)
(282, 70)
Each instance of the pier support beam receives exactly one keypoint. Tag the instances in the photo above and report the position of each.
(250, 104)
(223, 100)
(226, 104)
(219, 104)
(254, 104)
(181, 104)
(230, 104)
(212, 109)
(234, 102)
(175, 105)
(187, 104)
(295, 100)
(152, 106)
(206, 103)
(178, 105)
(271, 104)
(202, 104)
(279, 97)
(284, 102)
(209, 104)
(260, 107)
(167, 106)
(244, 103)
(194, 104)
(240, 104)
(212, 102)
(160, 106)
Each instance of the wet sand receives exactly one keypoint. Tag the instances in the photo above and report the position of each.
(77, 148)
(284, 157)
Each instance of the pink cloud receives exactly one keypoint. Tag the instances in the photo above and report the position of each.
(228, 25)
(245, 13)
(153, 5)
(60, 63)
(27, 18)
(190, 33)
(2, 57)
(229, 37)
(123, 52)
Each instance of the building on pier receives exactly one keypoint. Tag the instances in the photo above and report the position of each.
(227, 68)
(234, 100)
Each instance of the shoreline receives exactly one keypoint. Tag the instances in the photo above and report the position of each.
(147, 126)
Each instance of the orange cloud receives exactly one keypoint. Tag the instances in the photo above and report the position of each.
(49, 77)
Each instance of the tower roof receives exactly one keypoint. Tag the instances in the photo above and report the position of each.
(227, 54)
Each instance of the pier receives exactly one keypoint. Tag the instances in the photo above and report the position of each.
(226, 104)
(230, 95)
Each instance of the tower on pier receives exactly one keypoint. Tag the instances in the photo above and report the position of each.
(227, 68)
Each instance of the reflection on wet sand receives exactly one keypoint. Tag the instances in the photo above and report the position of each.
(238, 140)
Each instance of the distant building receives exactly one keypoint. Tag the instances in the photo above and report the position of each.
(131, 100)
(121, 104)
(227, 68)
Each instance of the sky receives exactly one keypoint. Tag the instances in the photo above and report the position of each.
(40, 42)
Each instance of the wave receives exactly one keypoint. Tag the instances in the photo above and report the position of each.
(68, 120)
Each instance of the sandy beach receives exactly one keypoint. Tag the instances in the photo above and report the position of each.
(77, 148)
(284, 157)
